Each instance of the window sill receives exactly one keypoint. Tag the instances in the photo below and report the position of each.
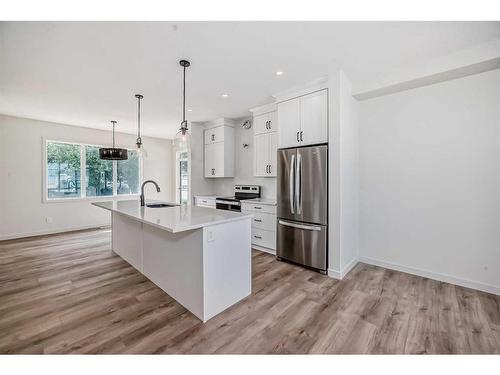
(92, 199)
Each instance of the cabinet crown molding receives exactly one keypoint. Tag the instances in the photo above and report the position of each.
(262, 109)
(223, 121)
(316, 85)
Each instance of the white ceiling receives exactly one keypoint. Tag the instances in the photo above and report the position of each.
(86, 73)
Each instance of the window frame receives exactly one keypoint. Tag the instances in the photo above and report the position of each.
(178, 177)
(83, 175)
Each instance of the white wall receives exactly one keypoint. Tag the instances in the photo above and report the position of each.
(22, 211)
(349, 184)
(429, 199)
(343, 175)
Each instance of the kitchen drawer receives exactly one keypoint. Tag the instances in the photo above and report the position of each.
(264, 238)
(256, 207)
(261, 220)
(205, 202)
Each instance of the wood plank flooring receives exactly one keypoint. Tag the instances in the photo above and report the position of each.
(69, 293)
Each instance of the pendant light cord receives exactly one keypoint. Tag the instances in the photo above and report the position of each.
(184, 98)
(113, 122)
(139, 117)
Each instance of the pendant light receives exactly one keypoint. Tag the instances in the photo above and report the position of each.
(112, 153)
(140, 147)
(182, 141)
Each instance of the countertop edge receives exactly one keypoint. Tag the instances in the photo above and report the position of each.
(176, 230)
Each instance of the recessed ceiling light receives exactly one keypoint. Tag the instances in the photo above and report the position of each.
(225, 95)
(190, 110)
(279, 73)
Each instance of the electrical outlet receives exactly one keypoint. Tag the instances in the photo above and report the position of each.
(48, 220)
(211, 237)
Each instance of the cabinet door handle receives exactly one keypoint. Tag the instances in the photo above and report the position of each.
(269, 168)
(301, 139)
(298, 140)
(213, 137)
(258, 237)
(267, 124)
(270, 122)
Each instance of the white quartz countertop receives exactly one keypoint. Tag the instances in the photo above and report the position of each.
(266, 201)
(172, 219)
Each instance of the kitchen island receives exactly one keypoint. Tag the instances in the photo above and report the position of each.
(199, 256)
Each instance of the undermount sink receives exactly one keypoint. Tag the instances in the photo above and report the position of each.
(159, 205)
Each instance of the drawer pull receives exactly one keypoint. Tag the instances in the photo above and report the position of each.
(258, 220)
(258, 237)
(257, 208)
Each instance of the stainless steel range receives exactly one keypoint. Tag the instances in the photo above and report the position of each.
(241, 192)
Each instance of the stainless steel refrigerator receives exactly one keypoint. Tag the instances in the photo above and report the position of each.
(302, 227)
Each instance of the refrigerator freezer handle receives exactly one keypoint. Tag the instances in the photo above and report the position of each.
(298, 185)
(292, 185)
(300, 226)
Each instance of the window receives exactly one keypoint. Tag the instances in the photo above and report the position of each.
(99, 173)
(128, 174)
(63, 170)
(183, 178)
(76, 171)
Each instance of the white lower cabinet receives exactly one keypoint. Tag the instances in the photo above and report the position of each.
(264, 238)
(263, 225)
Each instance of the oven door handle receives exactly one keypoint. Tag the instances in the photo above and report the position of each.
(231, 203)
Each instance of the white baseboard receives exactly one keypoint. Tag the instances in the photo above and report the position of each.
(342, 273)
(433, 275)
(264, 249)
(52, 231)
(349, 267)
(335, 274)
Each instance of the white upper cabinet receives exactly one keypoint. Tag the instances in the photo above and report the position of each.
(303, 120)
(214, 135)
(219, 151)
(265, 123)
(273, 151)
(314, 118)
(265, 128)
(261, 154)
(289, 119)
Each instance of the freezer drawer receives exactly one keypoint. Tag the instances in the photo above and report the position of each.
(302, 243)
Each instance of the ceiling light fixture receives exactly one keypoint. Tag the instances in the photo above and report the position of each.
(225, 95)
(279, 73)
(182, 140)
(112, 153)
(138, 143)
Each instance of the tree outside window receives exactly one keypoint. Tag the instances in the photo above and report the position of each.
(63, 170)
(65, 162)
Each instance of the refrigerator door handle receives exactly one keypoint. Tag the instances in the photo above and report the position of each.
(300, 226)
(292, 185)
(298, 184)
